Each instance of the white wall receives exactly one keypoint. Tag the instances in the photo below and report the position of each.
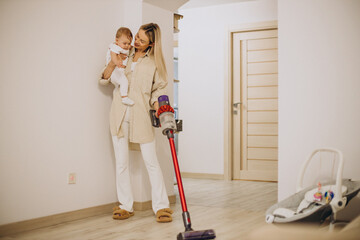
(54, 115)
(202, 68)
(319, 84)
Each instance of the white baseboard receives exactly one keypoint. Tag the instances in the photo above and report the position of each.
(203, 175)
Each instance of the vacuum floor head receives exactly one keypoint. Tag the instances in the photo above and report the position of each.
(197, 235)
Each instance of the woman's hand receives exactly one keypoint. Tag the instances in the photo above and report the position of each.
(108, 70)
(156, 107)
(120, 58)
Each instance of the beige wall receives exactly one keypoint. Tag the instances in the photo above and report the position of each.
(54, 115)
(319, 84)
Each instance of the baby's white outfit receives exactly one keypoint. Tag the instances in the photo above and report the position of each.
(118, 77)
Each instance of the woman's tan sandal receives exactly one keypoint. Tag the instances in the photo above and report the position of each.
(121, 214)
(164, 215)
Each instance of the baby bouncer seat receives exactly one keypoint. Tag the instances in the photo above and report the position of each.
(315, 203)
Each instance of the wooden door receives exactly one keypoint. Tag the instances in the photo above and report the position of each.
(255, 105)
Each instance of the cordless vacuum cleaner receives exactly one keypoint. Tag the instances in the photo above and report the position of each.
(169, 126)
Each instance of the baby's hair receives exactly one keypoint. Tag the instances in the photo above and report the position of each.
(124, 31)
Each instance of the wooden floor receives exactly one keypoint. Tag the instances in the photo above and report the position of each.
(233, 209)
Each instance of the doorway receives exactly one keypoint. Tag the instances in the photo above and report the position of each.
(253, 103)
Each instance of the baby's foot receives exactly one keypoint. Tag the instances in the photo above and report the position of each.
(127, 101)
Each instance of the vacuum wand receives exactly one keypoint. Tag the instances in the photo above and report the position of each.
(169, 126)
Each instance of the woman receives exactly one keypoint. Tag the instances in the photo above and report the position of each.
(146, 73)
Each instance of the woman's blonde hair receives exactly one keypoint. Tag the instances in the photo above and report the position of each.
(152, 31)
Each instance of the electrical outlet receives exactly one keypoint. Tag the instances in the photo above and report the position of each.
(72, 178)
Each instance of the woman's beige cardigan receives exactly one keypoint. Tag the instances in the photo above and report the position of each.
(145, 86)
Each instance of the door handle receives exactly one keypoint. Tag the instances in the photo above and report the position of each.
(237, 104)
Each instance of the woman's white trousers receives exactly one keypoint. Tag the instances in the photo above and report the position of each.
(148, 151)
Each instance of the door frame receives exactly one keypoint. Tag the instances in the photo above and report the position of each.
(228, 136)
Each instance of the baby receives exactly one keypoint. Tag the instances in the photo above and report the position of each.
(122, 45)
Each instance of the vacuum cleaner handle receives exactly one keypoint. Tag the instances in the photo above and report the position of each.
(168, 126)
(155, 122)
(167, 117)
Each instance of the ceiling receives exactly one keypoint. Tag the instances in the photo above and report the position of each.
(174, 5)
(171, 5)
(205, 3)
